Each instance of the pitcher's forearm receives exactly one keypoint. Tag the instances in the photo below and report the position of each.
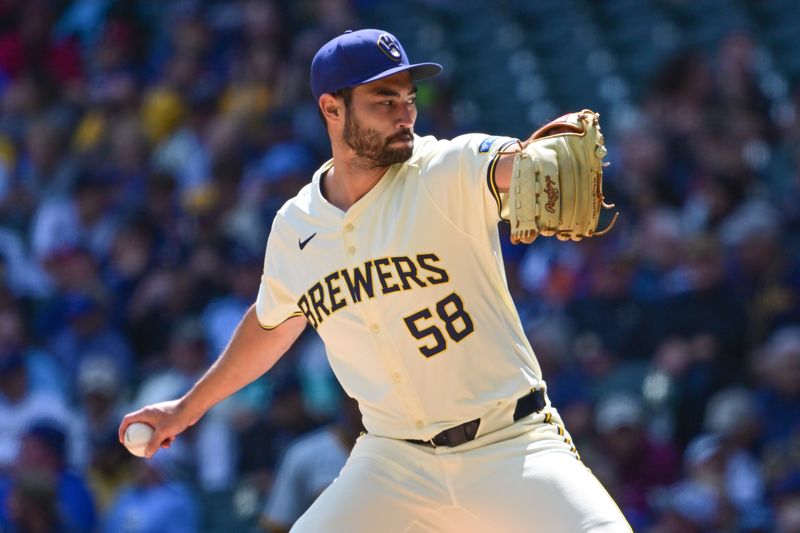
(251, 352)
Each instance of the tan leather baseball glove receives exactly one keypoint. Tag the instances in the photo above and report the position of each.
(557, 182)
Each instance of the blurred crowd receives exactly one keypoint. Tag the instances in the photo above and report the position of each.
(144, 149)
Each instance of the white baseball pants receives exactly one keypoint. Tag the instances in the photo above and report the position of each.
(523, 478)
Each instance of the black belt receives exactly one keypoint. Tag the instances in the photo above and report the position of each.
(533, 402)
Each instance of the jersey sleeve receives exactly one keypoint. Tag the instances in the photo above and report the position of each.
(275, 302)
(459, 174)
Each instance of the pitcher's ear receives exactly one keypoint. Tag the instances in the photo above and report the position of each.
(330, 106)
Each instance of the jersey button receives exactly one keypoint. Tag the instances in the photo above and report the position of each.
(351, 250)
(374, 328)
(420, 424)
(348, 228)
(397, 377)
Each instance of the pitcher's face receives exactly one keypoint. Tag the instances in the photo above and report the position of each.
(379, 120)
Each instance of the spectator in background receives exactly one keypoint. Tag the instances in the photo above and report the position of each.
(781, 467)
(79, 220)
(703, 332)
(130, 258)
(47, 170)
(127, 163)
(737, 77)
(704, 465)
(635, 466)
(732, 417)
(568, 385)
(157, 305)
(161, 209)
(768, 277)
(240, 219)
(23, 99)
(549, 275)
(643, 171)
(610, 310)
(100, 390)
(778, 396)
(44, 374)
(656, 244)
(71, 270)
(31, 49)
(23, 276)
(686, 508)
(788, 519)
(308, 466)
(284, 419)
(155, 501)
(162, 113)
(701, 502)
(222, 314)
(21, 405)
(44, 452)
(87, 331)
(681, 94)
(109, 471)
(283, 169)
(32, 505)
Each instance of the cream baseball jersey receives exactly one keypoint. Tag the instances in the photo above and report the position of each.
(407, 289)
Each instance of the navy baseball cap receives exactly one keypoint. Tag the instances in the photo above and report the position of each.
(362, 56)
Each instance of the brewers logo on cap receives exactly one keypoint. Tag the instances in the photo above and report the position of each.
(390, 46)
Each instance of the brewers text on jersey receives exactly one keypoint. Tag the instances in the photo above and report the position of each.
(391, 274)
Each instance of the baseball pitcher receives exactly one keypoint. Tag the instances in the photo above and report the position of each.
(391, 253)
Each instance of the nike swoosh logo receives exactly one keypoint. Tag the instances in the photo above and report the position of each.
(303, 243)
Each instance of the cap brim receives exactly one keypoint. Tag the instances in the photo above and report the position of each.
(419, 71)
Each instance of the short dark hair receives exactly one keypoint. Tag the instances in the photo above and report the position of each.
(346, 94)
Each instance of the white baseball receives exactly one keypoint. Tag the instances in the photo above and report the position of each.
(137, 435)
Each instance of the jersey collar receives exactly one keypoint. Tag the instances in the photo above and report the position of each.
(363, 203)
(358, 207)
(416, 154)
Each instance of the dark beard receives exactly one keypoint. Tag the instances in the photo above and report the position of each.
(371, 147)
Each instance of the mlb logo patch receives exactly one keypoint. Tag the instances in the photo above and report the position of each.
(486, 144)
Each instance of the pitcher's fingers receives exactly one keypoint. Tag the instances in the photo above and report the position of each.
(157, 440)
(150, 415)
(154, 443)
(129, 419)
